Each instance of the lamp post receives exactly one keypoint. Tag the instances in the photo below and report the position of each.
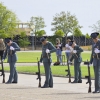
(32, 34)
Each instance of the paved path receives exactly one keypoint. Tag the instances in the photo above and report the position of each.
(27, 89)
(41, 51)
(31, 64)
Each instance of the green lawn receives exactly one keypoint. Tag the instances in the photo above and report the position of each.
(56, 70)
(32, 56)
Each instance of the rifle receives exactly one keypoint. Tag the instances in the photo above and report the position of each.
(88, 77)
(69, 74)
(38, 73)
(2, 72)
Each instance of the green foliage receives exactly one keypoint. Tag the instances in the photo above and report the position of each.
(65, 22)
(59, 33)
(40, 33)
(53, 39)
(38, 22)
(77, 32)
(99, 36)
(8, 22)
(87, 36)
(23, 42)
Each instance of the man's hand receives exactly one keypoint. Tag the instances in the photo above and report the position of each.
(2, 60)
(47, 51)
(74, 51)
(69, 62)
(71, 49)
(12, 48)
(97, 51)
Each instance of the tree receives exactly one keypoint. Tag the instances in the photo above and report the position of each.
(77, 32)
(40, 33)
(59, 33)
(87, 36)
(65, 22)
(96, 27)
(39, 23)
(23, 41)
(8, 22)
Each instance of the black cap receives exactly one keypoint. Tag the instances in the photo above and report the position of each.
(8, 40)
(42, 39)
(71, 42)
(94, 35)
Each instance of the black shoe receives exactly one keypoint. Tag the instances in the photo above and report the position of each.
(8, 83)
(74, 81)
(45, 86)
(96, 92)
(14, 82)
(79, 81)
(51, 86)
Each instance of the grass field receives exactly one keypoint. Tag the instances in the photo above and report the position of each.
(28, 57)
(56, 70)
(32, 56)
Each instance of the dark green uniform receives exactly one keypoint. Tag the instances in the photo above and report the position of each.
(12, 58)
(46, 58)
(95, 59)
(77, 61)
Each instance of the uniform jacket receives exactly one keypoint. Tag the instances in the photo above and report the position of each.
(44, 55)
(12, 57)
(77, 57)
(93, 58)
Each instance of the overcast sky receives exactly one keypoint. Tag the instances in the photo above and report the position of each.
(86, 11)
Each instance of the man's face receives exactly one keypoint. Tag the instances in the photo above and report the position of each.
(95, 40)
(9, 43)
(44, 42)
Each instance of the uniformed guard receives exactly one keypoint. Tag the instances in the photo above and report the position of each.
(47, 49)
(11, 49)
(95, 59)
(76, 55)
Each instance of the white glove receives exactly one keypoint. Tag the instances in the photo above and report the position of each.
(12, 48)
(69, 62)
(74, 51)
(47, 51)
(97, 51)
(2, 60)
(71, 49)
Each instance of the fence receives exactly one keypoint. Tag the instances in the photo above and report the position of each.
(35, 43)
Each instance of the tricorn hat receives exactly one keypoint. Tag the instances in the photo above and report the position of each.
(94, 35)
(42, 39)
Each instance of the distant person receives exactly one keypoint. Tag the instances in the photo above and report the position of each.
(47, 49)
(11, 49)
(67, 49)
(58, 50)
(2, 48)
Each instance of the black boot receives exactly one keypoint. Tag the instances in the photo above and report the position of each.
(8, 82)
(14, 82)
(79, 81)
(45, 86)
(75, 81)
(96, 91)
